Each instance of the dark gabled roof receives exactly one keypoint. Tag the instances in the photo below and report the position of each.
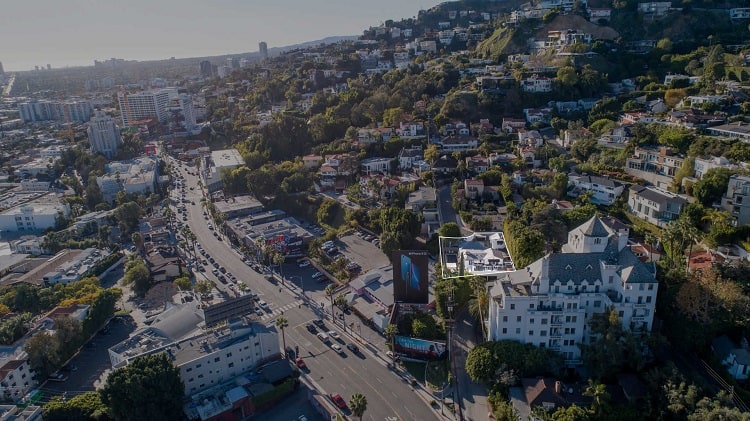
(540, 391)
(577, 267)
(446, 162)
(655, 195)
(594, 227)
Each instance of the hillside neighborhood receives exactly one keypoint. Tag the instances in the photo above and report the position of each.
(535, 211)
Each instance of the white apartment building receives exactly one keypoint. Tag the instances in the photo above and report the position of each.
(604, 190)
(736, 200)
(375, 165)
(16, 378)
(138, 175)
(104, 135)
(550, 302)
(74, 111)
(458, 143)
(226, 159)
(143, 105)
(32, 185)
(656, 206)
(537, 84)
(206, 359)
(36, 215)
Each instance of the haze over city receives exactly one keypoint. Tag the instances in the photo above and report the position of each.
(77, 32)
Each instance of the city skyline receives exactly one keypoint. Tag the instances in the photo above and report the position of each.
(72, 33)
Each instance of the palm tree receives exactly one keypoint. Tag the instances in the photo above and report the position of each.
(390, 333)
(692, 236)
(278, 259)
(598, 391)
(650, 240)
(479, 305)
(358, 405)
(329, 292)
(281, 324)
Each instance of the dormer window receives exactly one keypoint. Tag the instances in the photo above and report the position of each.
(597, 240)
(568, 267)
(589, 267)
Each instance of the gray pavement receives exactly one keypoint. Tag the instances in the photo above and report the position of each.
(388, 394)
(447, 213)
(471, 396)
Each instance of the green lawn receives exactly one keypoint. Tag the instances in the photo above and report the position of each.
(437, 372)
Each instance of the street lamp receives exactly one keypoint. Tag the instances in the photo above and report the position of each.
(301, 284)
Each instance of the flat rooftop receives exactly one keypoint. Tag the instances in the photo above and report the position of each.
(227, 158)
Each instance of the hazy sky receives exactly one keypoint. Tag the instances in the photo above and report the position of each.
(76, 32)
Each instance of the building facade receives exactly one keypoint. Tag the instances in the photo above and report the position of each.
(73, 111)
(550, 302)
(736, 201)
(104, 135)
(656, 206)
(143, 105)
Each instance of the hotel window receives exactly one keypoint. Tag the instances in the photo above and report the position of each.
(531, 333)
(505, 318)
(518, 318)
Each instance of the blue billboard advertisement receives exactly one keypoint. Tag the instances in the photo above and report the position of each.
(420, 348)
(410, 277)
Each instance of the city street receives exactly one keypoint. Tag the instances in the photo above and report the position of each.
(388, 395)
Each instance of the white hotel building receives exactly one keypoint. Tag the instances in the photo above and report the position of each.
(143, 105)
(550, 302)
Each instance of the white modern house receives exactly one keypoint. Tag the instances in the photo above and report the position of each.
(604, 191)
(550, 302)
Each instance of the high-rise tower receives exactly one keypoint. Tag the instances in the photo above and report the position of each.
(263, 49)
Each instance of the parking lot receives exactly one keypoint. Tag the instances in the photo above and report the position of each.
(93, 360)
(365, 253)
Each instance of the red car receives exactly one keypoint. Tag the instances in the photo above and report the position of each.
(339, 401)
(300, 362)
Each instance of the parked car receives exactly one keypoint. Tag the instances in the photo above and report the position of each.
(339, 401)
(300, 363)
(57, 377)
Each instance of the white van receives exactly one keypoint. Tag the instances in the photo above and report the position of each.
(323, 337)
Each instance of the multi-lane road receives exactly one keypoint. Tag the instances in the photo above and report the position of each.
(389, 396)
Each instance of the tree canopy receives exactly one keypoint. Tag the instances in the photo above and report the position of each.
(148, 388)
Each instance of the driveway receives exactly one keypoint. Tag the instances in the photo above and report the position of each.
(472, 396)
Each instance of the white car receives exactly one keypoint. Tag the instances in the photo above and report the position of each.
(337, 348)
(263, 305)
(333, 334)
(304, 263)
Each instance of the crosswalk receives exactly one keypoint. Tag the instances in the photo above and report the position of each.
(280, 310)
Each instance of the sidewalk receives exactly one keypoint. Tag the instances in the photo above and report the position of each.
(376, 350)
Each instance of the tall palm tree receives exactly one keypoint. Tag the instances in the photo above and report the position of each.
(278, 259)
(281, 324)
(390, 333)
(650, 240)
(358, 405)
(598, 391)
(329, 292)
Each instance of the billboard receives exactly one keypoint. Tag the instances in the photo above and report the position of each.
(410, 277)
(229, 309)
(420, 348)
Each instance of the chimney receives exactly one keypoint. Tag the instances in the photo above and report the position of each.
(558, 387)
